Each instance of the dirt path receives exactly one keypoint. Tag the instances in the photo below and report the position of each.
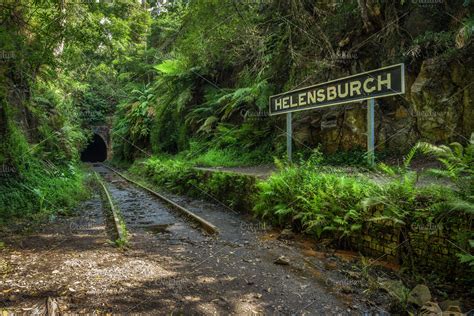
(261, 172)
(171, 265)
(424, 178)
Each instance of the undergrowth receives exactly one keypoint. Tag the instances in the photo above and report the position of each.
(227, 157)
(234, 191)
(329, 203)
(35, 187)
(40, 190)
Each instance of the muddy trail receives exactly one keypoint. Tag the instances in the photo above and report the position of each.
(171, 265)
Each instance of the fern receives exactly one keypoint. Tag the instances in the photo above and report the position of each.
(458, 163)
(386, 169)
(409, 157)
(172, 67)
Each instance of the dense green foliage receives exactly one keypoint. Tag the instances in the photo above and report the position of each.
(458, 162)
(38, 131)
(326, 202)
(59, 63)
(213, 64)
(319, 201)
(186, 83)
(231, 190)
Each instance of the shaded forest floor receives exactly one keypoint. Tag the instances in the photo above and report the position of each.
(170, 266)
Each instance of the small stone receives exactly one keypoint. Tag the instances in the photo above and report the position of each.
(353, 274)
(419, 295)
(454, 310)
(222, 301)
(286, 234)
(346, 289)
(282, 260)
(430, 308)
(445, 305)
(258, 295)
(12, 298)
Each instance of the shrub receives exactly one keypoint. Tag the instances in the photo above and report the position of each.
(232, 190)
(41, 189)
(319, 201)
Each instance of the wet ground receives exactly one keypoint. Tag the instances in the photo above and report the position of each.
(171, 265)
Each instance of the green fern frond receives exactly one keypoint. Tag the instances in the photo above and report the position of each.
(409, 157)
(460, 206)
(386, 169)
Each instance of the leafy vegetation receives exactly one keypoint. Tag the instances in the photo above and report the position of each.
(231, 190)
(186, 83)
(319, 202)
(326, 202)
(211, 66)
(40, 191)
(44, 178)
(58, 76)
(458, 162)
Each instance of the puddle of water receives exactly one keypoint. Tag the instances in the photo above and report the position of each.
(158, 229)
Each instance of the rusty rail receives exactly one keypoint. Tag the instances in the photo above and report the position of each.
(117, 225)
(208, 227)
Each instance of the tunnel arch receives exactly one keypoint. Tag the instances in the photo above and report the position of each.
(95, 151)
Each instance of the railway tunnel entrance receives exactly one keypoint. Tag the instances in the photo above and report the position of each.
(96, 150)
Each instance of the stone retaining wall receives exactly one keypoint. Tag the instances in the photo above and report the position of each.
(418, 245)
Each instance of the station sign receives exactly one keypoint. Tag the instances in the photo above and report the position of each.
(370, 85)
(376, 83)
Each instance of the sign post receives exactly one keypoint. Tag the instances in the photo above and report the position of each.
(370, 131)
(378, 83)
(289, 136)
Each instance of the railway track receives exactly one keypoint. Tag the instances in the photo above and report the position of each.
(207, 226)
(172, 263)
(232, 272)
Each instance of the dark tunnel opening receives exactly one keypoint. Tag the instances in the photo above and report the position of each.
(96, 150)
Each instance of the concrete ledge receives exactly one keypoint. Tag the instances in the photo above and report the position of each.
(117, 226)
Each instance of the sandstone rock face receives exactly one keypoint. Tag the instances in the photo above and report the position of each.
(437, 103)
(438, 107)
(354, 128)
